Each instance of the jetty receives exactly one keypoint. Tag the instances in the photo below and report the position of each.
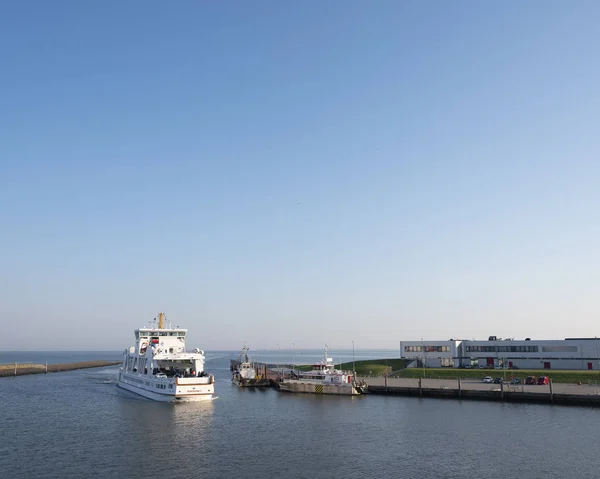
(23, 369)
(557, 393)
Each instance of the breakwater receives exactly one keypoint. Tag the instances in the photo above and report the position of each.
(564, 394)
(23, 369)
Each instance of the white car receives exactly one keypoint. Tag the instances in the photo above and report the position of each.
(487, 379)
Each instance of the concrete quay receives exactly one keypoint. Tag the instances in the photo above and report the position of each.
(559, 393)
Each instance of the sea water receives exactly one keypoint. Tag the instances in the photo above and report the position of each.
(80, 424)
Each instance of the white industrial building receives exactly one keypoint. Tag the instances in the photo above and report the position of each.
(570, 353)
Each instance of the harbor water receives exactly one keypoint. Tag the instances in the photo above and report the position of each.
(79, 424)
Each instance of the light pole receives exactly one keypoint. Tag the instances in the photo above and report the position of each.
(423, 350)
(293, 356)
(597, 352)
(353, 366)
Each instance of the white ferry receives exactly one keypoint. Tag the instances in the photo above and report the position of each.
(323, 379)
(159, 367)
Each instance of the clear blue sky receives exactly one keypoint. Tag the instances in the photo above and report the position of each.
(306, 172)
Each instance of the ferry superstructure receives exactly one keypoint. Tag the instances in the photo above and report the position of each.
(323, 379)
(158, 367)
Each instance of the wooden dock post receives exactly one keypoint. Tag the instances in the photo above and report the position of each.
(420, 387)
(385, 382)
(502, 390)
(551, 394)
(459, 388)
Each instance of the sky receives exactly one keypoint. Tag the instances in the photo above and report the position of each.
(298, 173)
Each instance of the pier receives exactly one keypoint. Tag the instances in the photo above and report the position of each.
(559, 393)
(24, 369)
(573, 394)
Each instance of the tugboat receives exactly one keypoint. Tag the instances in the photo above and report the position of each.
(323, 379)
(245, 375)
(158, 367)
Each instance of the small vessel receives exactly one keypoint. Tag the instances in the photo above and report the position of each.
(159, 367)
(323, 379)
(245, 375)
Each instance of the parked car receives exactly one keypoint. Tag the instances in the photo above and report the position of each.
(542, 380)
(515, 381)
(487, 379)
(530, 380)
(497, 380)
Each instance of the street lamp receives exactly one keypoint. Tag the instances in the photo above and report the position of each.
(293, 356)
(597, 352)
(353, 365)
(423, 350)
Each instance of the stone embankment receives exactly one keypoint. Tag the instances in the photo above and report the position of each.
(16, 369)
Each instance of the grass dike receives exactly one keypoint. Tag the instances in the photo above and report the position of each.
(556, 375)
(367, 367)
(398, 368)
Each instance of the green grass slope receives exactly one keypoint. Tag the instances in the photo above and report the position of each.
(374, 367)
(557, 376)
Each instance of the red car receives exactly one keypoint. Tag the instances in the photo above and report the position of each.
(530, 380)
(543, 380)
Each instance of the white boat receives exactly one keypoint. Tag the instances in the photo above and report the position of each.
(323, 379)
(244, 373)
(159, 367)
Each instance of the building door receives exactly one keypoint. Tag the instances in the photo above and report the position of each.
(590, 366)
(490, 362)
(510, 364)
(547, 365)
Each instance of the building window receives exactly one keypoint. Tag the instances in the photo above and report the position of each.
(559, 349)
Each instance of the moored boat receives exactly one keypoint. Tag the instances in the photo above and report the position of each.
(324, 378)
(245, 374)
(158, 367)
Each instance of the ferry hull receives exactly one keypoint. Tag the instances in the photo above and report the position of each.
(294, 386)
(206, 394)
(252, 383)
